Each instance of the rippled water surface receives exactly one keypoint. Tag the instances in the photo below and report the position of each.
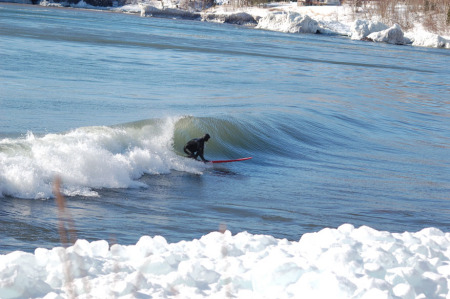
(340, 131)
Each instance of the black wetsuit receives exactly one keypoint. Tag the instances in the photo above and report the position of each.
(194, 148)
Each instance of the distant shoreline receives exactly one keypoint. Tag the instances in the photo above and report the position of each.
(283, 17)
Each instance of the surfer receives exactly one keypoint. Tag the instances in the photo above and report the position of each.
(194, 148)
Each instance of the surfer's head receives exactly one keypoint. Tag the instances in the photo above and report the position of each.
(206, 137)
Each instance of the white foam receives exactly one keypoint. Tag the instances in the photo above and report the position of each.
(346, 262)
(89, 158)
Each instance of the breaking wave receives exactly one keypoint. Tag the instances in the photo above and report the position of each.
(89, 158)
(92, 158)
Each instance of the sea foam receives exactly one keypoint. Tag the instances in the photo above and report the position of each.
(346, 262)
(88, 158)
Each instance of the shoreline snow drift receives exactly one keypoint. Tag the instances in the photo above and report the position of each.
(288, 18)
(282, 17)
(346, 262)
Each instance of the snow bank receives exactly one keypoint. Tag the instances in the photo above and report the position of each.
(393, 35)
(360, 29)
(422, 38)
(284, 17)
(290, 18)
(290, 22)
(346, 262)
(338, 20)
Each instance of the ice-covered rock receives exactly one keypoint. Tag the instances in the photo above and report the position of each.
(362, 28)
(290, 22)
(423, 38)
(393, 35)
(148, 9)
(159, 9)
(238, 18)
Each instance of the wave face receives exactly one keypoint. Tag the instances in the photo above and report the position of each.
(232, 136)
(90, 158)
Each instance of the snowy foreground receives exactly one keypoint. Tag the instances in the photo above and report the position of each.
(347, 262)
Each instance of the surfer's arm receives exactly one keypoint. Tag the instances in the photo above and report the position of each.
(200, 154)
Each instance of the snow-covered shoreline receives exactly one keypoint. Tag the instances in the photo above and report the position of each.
(291, 18)
(346, 262)
(285, 17)
(334, 20)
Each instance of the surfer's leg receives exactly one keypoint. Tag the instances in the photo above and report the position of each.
(188, 152)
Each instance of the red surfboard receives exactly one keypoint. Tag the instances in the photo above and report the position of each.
(227, 161)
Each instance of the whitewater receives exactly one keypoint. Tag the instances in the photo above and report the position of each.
(346, 195)
(89, 158)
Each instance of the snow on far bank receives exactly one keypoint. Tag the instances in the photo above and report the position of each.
(421, 37)
(290, 18)
(288, 22)
(361, 29)
(346, 262)
(393, 35)
(284, 17)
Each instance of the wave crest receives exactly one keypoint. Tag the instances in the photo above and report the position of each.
(89, 158)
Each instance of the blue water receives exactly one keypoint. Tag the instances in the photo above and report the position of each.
(340, 131)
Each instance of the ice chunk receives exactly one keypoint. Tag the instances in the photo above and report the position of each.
(290, 22)
(362, 28)
(427, 39)
(392, 35)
